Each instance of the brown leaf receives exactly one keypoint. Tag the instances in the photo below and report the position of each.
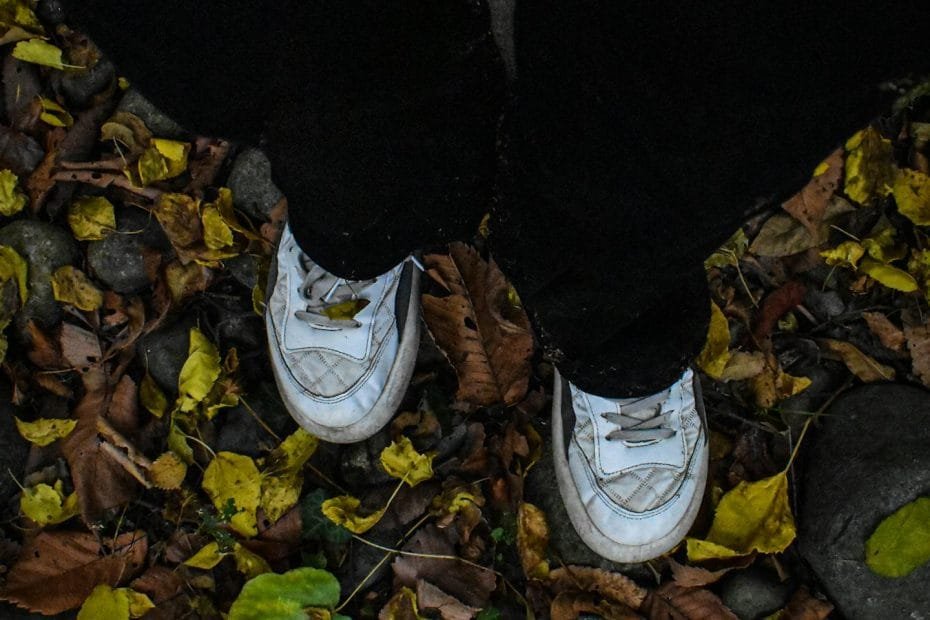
(696, 576)
(159, 582)
(205, 163)
(101, 483)
(887, 332)
(810, 204)
(614, 586)
(532, 540)
(918, 345)
(44, 351)
(485, 336)
(271, 231)
(776, 305)
(863, 366)
(58, 570)
(448, 607)
(79, 347)
(672, 602)
(123, 412)
(804, 606)
(571, 605)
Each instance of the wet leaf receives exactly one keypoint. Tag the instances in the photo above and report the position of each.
(912, 195)
(754, 516)
(44, 431)
(846, 254)
(207, 557)
(743, 365)
(47, 505)
(105, 602)
(39, 52)
(892, 277)
(179, 216)
(199, 372)
(282, 478)
(216, 233)
(532, 540)
(713, 359)
(803, 606)
(809, 206)
(863, 366)
(152, 397)
(901, 542)
(400, 460)
(485, 336)
(13, 266)
(869, 166)
(888, 333)
(401, 606)
(346, 310)
(730, 252)
(782, 235)
(72, 286)
(53, 114)
(315, 525)
(286, 596)
(344, 510)
(235, 477)
(91, 218)
(164, 159)
(168, 472)
(12, 200)
(674, 602)
(774, 385)
(248, 563)
(573, 605)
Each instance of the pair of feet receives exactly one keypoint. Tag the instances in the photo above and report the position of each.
(630, 471)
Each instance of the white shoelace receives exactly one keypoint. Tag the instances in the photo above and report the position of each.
(340, 299)
(644, 420)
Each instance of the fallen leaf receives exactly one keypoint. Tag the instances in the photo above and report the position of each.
(54, 114)
(44, 431)
(159, 583)
(114, 604)
(248, 563)
(152, 397)
(672, 602)
(315, 525)
(716, 353)
(477, 326)
(282, 477)
(168, 472)
(207, 557)
(47, 505)
(753, 516)
(869, 166)
(39, 52)
(782, 235)
(186, 280)
(12, 200)
(810, 204)
(743, 365)
(57, 571)
(846, 254)
(79, 347)
(401, 606)
(179, 216)
(614, 586)
(773, 384)
(730, 252)
(532, 540)
(892, 277)
(14, 267)
(91, 218)
(199, 372)
(687, 576)
(72, 286)
(911, 192)
(286, 596)
(344, 511)
(400, 460)
(447, 606)
(573, 605)
(865, 368)
(804, 606)
(775, 305)
(901, 542)
(235, 477)
(887, 332)
(918, 345)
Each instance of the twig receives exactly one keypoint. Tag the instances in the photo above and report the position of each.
(98, 179)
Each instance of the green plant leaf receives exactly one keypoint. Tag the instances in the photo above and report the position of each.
(316, 526)
(901, 543)
(285, 597)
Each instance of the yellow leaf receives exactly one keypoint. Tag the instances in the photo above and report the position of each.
(175, 154)
(880, 245)
(343, 510)
(283, 476)
(152, 166)
(225, 393)
(401, 606)
(39, 52)
(216, 233)
(730, 252)
(199, 372)
(164, 159)
(346, 310)
(53, 114)
(743, 365)
(139, 604)
(105, 602)
(248, 563)
(858, 363)
(179, 216)
(177, 442)
(532, 540)
(167, 471)
(846, 254)
(234, 476)
(152, 397)
(185, 280)
(44, 431)
(48, 505)
(12, 200)
(774, 385)
(91, 218)
(754, 516)
(12, 265)
(72, 286)
(701, 550)
(208, 557)
(402, 461)
(869, 166)
(889, 276)
(713, 359)
(455, 498)
(912, 194)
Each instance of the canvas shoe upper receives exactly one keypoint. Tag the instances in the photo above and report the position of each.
(341, 374)
(631, 472)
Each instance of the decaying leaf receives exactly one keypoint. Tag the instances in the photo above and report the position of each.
(207, 557)
(911, 192)
(716, 353)
(901, 542)
(152, 397)
(869, 166)
(804, 606)
(532, 540)
(12, 200)
(91, 218)
(72, 286)
(918, 345)
(614, 586)
(282, 477)
(44, 431)
(401, 460)
(810, 204)
(447, 606)
(344, 511)
(730, 252)
(114, 604)
(199, 372)
(866, 368)
(573, 605)
(891, 336)
(478, 327)
(47, 505)
(235, 477)
(673, 602)
(401, 606)
(167, 471)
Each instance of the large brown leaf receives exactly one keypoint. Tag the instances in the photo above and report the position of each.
(58, 570)
(809, 205)
(672, 602)
(485, 336)
(618, 588)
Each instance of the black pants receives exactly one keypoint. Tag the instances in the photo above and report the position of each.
(633, 141)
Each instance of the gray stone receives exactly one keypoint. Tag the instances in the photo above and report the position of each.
(156, 120)
(250, 181)
(360, 463)
(244, 269)
(869, 459)
(824, 304)
(46, 247)
(51, 12)
(117, 260)
(754, 592)
(164, 352)
(80, 87)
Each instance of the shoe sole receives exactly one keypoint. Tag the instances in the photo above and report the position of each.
(589, 532)
(395, 388)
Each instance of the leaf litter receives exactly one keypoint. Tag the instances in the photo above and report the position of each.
(137, 499)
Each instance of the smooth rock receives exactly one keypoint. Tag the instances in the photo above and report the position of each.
(824, 304)
(869, 458)
(360, 463)
(250, 181)
(157, 121)
(244, 270)
(51, 12)
(46, 247)
(754, 592)
(164, 352)
(240, 431)
(80, 87)
(117, 260)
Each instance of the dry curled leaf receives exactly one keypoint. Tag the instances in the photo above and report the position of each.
(865, 367)
(887, 332)
(804, 606)
(672, 602)
(810, 204)
(918, 345)
(614, 586)
(478, 326)
(572, 605)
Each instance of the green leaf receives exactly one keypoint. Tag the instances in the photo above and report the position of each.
(901, 543)
(39, 52)
(316, 526)
(285, 597)
(12, 200)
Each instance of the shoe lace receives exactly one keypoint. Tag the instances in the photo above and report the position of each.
(339, 302)
(641, 420)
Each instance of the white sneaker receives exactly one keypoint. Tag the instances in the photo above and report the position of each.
(631, 472)
(342, 351)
